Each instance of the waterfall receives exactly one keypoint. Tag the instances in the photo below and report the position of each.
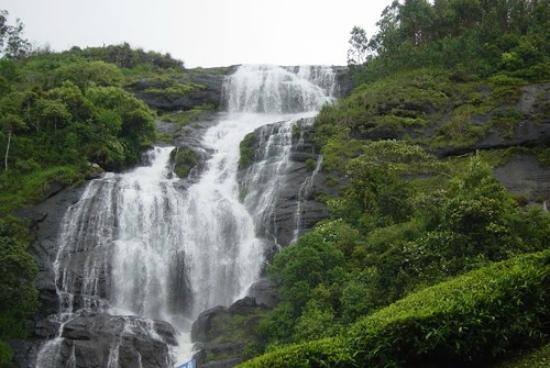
(137, 248)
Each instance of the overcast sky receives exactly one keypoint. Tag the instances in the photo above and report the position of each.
(204, 32)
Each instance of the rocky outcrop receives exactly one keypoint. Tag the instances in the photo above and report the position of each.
(206, 89)
(222, 334)
(264, 293)
(284, 158)
(95, 339)
(45, 220)
(533, 129)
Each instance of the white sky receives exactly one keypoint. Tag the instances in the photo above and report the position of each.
(204, 32)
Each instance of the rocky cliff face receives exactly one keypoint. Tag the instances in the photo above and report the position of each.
(199, 87)
(283, 159)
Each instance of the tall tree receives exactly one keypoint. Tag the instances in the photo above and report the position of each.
(10, 119)
(358, 51)
(10, 123)
(12, 43)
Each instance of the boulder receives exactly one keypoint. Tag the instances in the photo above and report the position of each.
(94, 171)
(264, 293)
(95, 337)
(221, 334)
(200, 331)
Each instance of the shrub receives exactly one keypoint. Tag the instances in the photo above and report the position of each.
(329, 352)
(540, 358)
(471, 319)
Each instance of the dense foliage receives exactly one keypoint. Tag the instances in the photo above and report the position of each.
(470, 37)
(18, 297)
(469, 320)
(246, 149)
(67, 114)
(391, 237)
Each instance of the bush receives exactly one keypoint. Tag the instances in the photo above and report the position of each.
(328, 352)
(471, 319)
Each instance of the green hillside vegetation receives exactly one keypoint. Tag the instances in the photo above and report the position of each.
(405, 221)
(472, 319)
(411, 270)
(471, 38)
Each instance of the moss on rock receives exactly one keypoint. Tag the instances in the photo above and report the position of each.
(185, 159)
(247, 150)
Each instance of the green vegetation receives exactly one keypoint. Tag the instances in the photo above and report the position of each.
(310, 164)
(247, 149)
(470, 38)
(472, 319)
(539, 358)
(423, 106)
(18, 296)
(184, 118)
(234, 329)
(392, 236)
(185, 159)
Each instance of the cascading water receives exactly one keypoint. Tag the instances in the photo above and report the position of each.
(136, 248)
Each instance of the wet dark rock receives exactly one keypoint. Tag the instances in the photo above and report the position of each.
(297, 195)
(47, 328)
(94, 337)
(188, 139)
(94, 171)
(221, 334)
(25, 352)
(202, 326)
(243, 306)
(45, 220)
(264, 293)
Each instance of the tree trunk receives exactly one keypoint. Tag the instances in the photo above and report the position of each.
(7, 152)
